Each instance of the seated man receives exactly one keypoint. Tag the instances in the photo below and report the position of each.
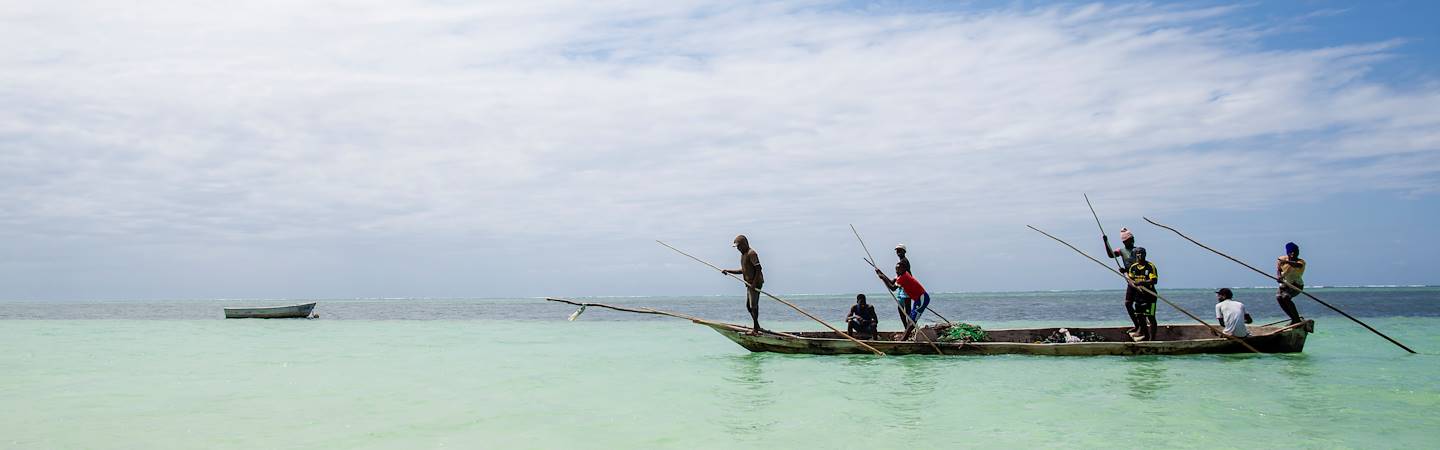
(862, 320)
(1230, 312)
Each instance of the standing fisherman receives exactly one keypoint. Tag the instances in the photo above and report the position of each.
(1290, 269)
(901, 295)
(754, 278)
(1127, 257)
(912, 295)
(900, 253)
(1142, 273)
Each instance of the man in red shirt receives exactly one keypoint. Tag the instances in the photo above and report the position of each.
(912, 295)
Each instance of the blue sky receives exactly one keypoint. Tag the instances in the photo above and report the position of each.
(399, 148)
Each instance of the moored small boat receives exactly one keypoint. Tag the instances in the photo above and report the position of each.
(1174, 340)
(274, 312)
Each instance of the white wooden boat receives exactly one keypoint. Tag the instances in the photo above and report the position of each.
(273, 312)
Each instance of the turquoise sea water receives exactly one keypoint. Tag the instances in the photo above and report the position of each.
(607, 382)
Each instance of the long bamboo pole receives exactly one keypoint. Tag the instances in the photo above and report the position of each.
(927, 307)
(644, 310)
(778, 299)
(904, 316)
(1297, 288)
(871, 260)
(1212, 328)
(899, 307)
(1102, 233)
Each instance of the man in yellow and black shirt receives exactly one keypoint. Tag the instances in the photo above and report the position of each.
(1290, 269)
(1142, 273)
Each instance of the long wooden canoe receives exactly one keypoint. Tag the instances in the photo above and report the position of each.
(275, 312)
(1174, 340)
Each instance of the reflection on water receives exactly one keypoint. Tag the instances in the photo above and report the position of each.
(912, 391)
(746, 396)
(1296, 378)
(860, 372)
(1146, 377)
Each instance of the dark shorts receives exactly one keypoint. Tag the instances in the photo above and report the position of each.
(1145, 308)
(1133, 294)
(864, 326)
(1286, 292)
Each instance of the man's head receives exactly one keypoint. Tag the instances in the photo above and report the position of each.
(741, 243)
(860, 299)
(1223, 294)
(1292, 250)
(900, 250)
(1140, 254)
(1127, 237)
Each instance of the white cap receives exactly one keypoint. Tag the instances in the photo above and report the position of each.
(899, 246)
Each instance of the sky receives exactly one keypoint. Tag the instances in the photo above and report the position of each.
(275, 149)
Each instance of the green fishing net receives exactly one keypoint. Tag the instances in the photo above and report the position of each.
(962, 332)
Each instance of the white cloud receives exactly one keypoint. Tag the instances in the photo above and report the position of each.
(277, 121)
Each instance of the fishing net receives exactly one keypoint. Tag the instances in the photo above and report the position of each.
(961, 332)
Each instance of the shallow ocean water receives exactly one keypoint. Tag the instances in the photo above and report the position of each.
(609, 380)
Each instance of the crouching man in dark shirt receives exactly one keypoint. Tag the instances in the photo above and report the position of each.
(862, 320)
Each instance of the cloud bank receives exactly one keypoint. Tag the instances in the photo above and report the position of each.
(587, 127)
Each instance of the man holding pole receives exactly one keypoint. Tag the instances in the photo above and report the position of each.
(1290, 269)
(912, 295)
(900, 253)
(1142, 274)
(1127, 257)
(754, 278)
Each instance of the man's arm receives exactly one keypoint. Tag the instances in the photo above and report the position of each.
(889, 284)
(1248, 319)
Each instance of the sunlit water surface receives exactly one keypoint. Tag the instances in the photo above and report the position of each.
(514, 374)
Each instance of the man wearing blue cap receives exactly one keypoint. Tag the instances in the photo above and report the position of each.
(1290, 269)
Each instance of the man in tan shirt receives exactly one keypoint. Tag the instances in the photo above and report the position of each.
(1290, 269)
(750, 271)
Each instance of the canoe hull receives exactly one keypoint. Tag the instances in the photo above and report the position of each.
(277, 312)
(1179, 340)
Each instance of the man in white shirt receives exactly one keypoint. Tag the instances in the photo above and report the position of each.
(1230, 313)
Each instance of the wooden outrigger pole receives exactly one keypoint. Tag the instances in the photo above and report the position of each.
(644, 310)
(1212, 328)
(904, 315)
(1102, 233)
(1297, 288)
(778, 299)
